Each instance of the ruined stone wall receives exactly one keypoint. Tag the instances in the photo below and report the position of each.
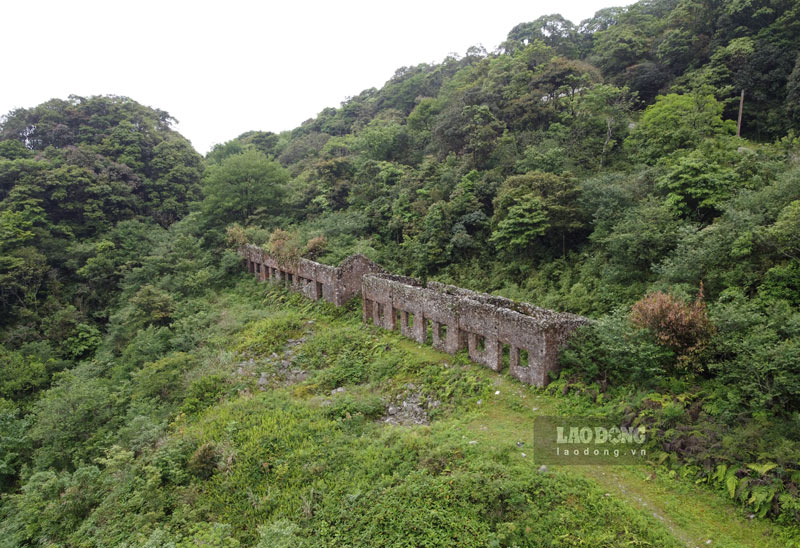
(335, 285)
(495, 331)
(349, 275)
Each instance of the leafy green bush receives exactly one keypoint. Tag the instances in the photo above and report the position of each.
(756, 356)
(163, 378)
(263, 337)
(203, 462)
(14, 444)
(21, 375)
(204, 393)
(612, 351)
(347, 406)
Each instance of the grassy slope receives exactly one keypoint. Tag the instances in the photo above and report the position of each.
(692, 514)
(321, 470)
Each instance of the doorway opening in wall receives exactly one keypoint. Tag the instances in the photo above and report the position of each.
(505, 356)
(380, 313)
(463, 339)
(480, 343)
(428, 330)
(410, 317)
(319, 290)
(442, 332)
(290, 279)
(398, 318)
(523, 357)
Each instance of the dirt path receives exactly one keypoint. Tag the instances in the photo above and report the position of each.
(695, 515)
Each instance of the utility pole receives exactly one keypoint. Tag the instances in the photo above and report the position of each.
(741, 107)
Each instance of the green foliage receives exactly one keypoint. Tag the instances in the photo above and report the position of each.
(73, 417)
(162, 379)
(132, 348)
(613, 352)
(755, 355)
(21, 374)
(203, 393)
(245, 187)
(525, 221)
(204, 461)
(676, 122)
(640, 239)
(152, 307)
(14, 444)
(347, 407)
(266, 336)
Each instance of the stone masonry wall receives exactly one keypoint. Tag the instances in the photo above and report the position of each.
(337, 285)
(495, 331)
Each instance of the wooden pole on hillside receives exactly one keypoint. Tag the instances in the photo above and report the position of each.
(741, 107)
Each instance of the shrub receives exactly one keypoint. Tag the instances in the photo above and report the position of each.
(203, 462)
(683, 327)
(612, 351)
(152, 306)
(347, 368)
(348, 406)
(161, 379)
(756, 357)
(315, 247)
(284, 245)
(20, 374)
(14, 443)
(203, 393)
(263, 337)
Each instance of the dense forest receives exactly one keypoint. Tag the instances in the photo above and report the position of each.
(596, 168)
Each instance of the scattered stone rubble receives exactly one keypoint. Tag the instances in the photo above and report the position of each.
(410, 407)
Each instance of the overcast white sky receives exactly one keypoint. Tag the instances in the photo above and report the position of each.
(227, 67)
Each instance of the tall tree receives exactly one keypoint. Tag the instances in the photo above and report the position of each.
(245, 187)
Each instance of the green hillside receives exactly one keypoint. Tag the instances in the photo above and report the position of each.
(153, 394)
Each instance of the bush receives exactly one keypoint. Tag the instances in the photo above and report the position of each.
(21, 375)
(266, 336)
(203, 393)
(14, 443)
(683, 327)
(756, 357)
(348, 406)
(161, 379)
(612, 351)
(203, 462)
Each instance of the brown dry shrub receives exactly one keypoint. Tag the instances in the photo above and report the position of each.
(236, 236)
(315, 247)
(284, 246)
(683, 327)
